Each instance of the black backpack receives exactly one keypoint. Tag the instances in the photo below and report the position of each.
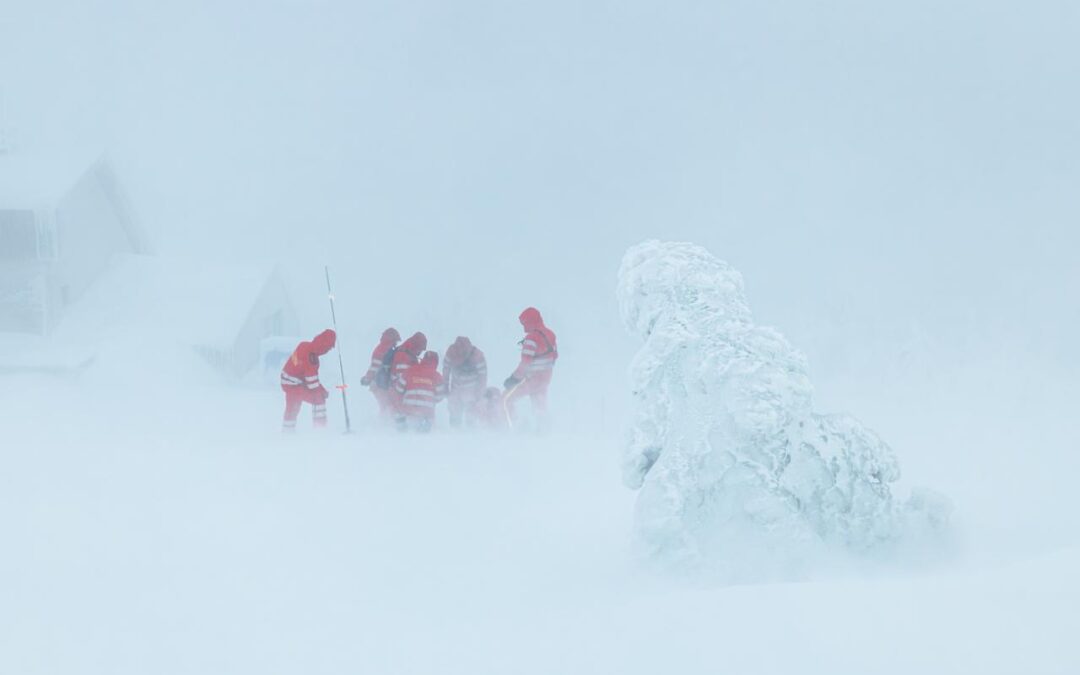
(382, 377)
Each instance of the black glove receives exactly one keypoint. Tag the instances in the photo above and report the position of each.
(365, 381)
(510, 382)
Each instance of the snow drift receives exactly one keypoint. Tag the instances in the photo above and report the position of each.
(736, 471)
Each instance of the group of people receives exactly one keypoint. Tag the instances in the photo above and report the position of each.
(405, 380)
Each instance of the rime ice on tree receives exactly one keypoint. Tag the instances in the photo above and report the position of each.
(726, 449)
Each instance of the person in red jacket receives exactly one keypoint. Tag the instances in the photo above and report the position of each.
(465, 374)
(533, 374)
(420, 387)
(300, 380)
(405, 356)
(378, 376)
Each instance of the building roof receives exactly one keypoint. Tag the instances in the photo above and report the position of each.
(194, 302)
(139, 323)
(40, 181)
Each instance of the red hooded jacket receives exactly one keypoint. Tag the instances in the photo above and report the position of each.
(302, 368)
(421, 387)
(408, 355)
(539, 349)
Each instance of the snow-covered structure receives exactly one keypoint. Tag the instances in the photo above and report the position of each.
(734, 467)
(75, 267)
(61, 223)
(173, 308)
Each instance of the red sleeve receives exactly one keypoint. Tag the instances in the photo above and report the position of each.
(377, 355)
(399, 369)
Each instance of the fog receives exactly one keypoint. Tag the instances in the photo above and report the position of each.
(897, 183)
(923, 155)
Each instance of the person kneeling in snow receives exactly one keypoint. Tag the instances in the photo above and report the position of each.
(420, 387)
(488, 411)
(300, 380)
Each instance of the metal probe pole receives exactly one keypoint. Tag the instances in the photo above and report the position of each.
(341, 364)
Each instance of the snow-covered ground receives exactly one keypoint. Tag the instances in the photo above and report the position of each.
(185, 535)
(897, 181)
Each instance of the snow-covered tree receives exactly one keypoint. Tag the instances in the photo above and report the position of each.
(734, 467)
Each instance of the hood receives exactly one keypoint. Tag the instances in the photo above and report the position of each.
(390, 335)
(457, 352)
(430, 361)
(324, 342)
(416, 343)
(531, 319)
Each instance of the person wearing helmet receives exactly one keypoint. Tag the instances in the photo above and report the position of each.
(378, 376)
(532, 377)
(465, 374)
(300, 380)
(421, 388)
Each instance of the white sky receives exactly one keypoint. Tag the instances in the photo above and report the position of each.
(870, 167)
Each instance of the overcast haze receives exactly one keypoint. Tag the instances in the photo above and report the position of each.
(911, 147)
(898, 182)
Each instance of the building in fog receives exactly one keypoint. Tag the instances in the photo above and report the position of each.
(228, 312)
(75, 267)
(59, 232)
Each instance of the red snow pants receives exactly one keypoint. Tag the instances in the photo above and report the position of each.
(536, 388)
(295, 397)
